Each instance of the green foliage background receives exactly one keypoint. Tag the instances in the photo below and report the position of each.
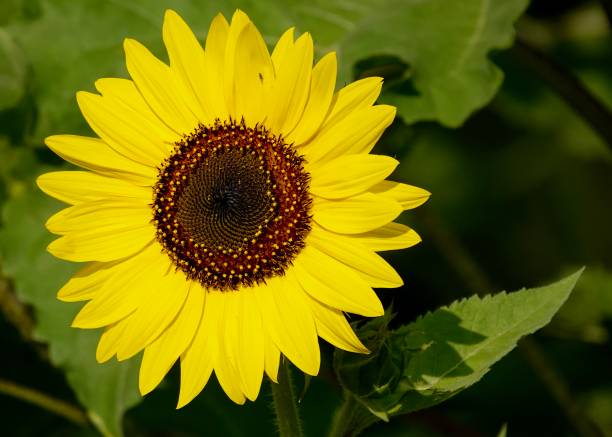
(521, 191)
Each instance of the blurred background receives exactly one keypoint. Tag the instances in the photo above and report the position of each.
(519, 165)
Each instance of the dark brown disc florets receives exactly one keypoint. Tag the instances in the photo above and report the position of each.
(231, 205)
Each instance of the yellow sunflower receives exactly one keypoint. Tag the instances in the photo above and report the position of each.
(230, 211)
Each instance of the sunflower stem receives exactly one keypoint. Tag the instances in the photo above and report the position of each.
(285, 406)
(62, 408)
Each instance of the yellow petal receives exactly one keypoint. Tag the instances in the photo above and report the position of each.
(95, 155)
(349, 175)
(289, 92)
(228, 378)
(253, 73)
(370, 266)
(100, 231)
(160, 355)
(123, 94)
(282, 48)
(197, 360)
(289, 322)
(357, 95)
(239, 22)
(125, 290)
(249, 342)
(225, 364)
(131, 334)
(214, 57)
(121, 129)
(322, 85)
(159, 88)
(152, 318)
(82, 186)
(109, 341)
(230, 328)
(99, 246)
(391, 236)
(356, 133)
(85, 283)
(271, 358)
(333, 327)
(357, 214)
(333, 283)
(187, 60)
(407, 196)
(106, 215)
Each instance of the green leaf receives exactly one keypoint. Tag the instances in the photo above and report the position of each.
(444, 43)
(105, 390)
(12, 71)
(444, 352)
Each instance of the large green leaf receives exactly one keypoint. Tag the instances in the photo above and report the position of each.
(105, 390)
(445, 43)
(444, 352)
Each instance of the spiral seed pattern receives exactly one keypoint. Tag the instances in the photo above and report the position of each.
(231, 205)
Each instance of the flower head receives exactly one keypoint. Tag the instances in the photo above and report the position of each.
(230, 210)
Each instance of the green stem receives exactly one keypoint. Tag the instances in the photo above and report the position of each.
(472, 275)
(285, 407)
(568, 86)
(42, 400)
(350, 418)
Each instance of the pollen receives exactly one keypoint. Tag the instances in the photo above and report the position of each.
(229, 194)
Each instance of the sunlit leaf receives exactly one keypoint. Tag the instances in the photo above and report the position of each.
(444, 352)
(446, 46)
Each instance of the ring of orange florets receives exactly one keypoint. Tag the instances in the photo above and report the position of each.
(211, 253)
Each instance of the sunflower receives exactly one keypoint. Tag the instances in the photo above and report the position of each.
(229, 210)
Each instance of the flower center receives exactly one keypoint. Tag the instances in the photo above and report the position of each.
(231, 205)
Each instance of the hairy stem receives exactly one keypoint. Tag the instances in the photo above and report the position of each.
(468, 270)
(42, 400)
(285, 407)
